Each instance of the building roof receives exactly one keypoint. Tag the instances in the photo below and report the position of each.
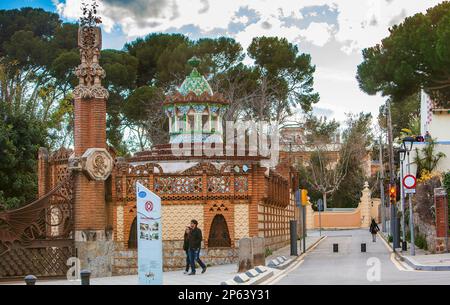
(196, 83)
(195, 89)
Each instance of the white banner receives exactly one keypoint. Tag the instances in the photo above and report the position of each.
(150, 263)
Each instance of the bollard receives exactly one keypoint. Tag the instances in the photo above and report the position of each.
(404, 246)
(363, 247)
(85, 276)
(30, 279)
(293, 235)
(335, 248)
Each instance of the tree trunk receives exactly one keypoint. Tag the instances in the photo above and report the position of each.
(324, 196)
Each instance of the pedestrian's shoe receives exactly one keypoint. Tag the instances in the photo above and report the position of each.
(186, 272)
(204, 270)
(192, 273)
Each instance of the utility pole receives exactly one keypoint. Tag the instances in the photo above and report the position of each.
(393, 230)
(383, 206)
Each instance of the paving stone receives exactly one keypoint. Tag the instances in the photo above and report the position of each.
(241, 278)
(252, 273)
(274, 263)
(261, 269)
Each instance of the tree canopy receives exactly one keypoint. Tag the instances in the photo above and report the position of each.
(38, 55)
(415, 55)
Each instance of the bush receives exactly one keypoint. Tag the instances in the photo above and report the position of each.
(421, 242)
(268, 252)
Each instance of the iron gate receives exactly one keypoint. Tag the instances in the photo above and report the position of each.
(38, 238)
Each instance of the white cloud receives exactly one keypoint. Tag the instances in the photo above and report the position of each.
(359, 24)
(364, 23)
(318, 33)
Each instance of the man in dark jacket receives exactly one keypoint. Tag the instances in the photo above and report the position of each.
(195, 243)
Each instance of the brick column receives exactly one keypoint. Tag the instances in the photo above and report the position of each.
(43, 183)
(90, 132)
(93, 243)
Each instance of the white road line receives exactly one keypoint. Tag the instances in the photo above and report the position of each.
(295, 265)
(402, 266)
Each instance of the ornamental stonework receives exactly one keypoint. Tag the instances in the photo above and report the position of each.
(97, 163)
(89, 72)
(177, 217)
(241, 221)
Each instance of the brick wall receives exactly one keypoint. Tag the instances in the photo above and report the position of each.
(89, 132)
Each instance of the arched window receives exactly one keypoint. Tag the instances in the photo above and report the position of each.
(132, 239)
(219, 235)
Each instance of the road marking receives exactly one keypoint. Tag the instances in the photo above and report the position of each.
(294, 266)
(400, 265)
(285, 272)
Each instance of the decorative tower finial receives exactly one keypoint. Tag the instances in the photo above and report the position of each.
(194, 61)
(89, 72)
(89, 18)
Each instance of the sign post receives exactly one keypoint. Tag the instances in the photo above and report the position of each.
(150, 265)
(319, 207)
(409, 183)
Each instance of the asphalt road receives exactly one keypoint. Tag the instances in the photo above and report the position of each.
(350, 266)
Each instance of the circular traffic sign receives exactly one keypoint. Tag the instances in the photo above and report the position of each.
(409, 181)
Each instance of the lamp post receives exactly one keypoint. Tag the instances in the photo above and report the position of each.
(402, 154)
(408, 143)
(381, 175)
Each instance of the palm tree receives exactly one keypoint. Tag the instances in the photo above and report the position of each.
(426, 159)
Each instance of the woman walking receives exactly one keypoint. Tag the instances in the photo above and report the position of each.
(187, 234)
(374, 230)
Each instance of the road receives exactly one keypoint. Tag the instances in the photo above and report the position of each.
(350, 266)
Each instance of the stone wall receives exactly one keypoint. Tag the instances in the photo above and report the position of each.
(174, 257)
(424, 213)
(360, 217)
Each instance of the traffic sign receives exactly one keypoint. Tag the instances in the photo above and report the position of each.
(409, 183)
(320, 205)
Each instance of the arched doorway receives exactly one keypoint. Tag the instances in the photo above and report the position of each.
(132, 239)
(219, 236)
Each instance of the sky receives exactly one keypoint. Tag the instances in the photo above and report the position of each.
(334, 32)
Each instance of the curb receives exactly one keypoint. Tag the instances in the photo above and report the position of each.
(281, 262)
(413, 263)
(417, 266)
(250, 277)
(297, 260)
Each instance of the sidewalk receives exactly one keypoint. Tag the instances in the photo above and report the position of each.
(311, 239)
(423, 260)
(213, 276)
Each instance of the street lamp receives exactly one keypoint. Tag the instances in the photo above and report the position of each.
(402, 155)
(408, 144)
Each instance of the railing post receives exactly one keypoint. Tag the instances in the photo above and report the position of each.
(30, 280)
(85, 277)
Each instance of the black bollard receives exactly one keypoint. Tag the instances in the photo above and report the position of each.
(293, 234)
(335, 248)
(30, 280)
(85, 277)
(404, 246)
(363, 247)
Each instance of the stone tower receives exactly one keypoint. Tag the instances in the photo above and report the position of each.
(91, 162)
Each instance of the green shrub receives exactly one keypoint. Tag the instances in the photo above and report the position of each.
(420, 241)
(268, 252)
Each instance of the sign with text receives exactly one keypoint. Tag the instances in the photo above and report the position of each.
(150, 264)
